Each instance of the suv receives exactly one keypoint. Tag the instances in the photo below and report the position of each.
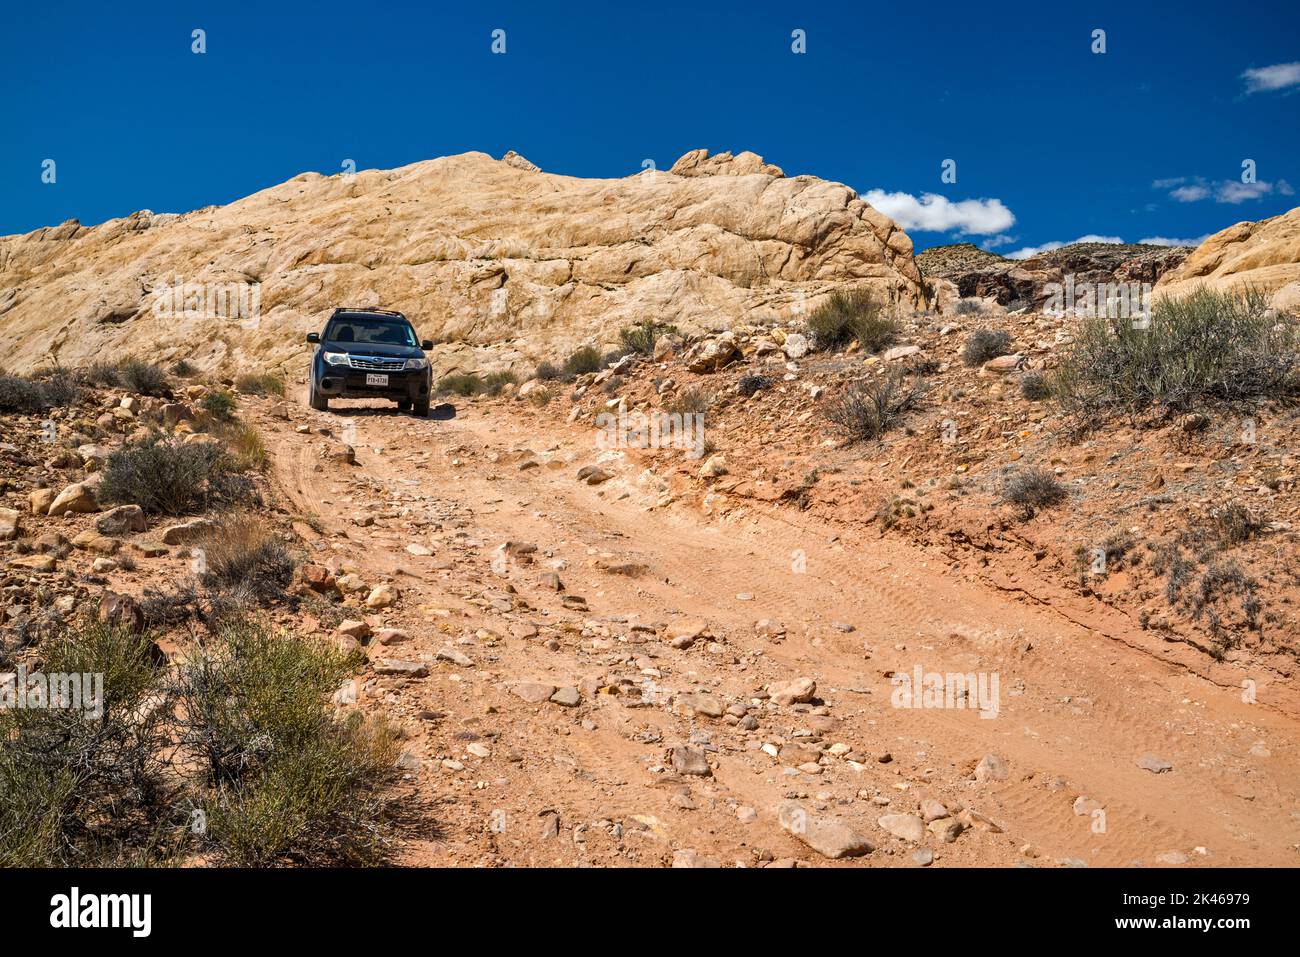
(370, 354)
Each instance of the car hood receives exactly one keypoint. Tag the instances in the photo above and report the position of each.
(373, 349)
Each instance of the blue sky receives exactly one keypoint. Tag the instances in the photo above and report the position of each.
(1051, 141)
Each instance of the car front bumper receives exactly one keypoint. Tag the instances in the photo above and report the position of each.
(340, 382)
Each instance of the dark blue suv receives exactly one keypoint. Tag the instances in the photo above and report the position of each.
(370, 354)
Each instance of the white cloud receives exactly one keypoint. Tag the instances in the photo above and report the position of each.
(1224, 191)
(938, 214)
(1002, 239)
(1029, 251)
(1276, 77)
(1166, 241)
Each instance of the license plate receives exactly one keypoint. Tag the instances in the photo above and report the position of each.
(372, 379)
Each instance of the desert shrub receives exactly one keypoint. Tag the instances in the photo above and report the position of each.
(851, 315)
(985, 344)
(143, 378)
(243, 730)
(1033, 488)
(246, 445)
(1233, 524)
(183, 368)
(1035, 386)
(1209, 346)
(893, 510)
(83, 790)
(547, 371)
(969, 307)
(219, 404)
(54, 389)
(581, 361)
(245, 562)
(101, 374)
(286, 780)
(641, 337)
(165, 476)
(750, 384)
(460, 383)
(866, 409)
(494, 382)
(260, 383)
(688, 401)
(541, 397)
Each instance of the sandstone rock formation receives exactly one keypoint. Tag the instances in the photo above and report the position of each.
(476, 251)
(1265, 254)
(977, 272)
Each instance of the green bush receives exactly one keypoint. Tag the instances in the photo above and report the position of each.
(286, 780)
(166, 476)
(83, 790)
(219, 404)
(581, 361)
(260, 383)
(641, 337)
(1209, 346)
(851, 315)
(144, 378)
(460, 383)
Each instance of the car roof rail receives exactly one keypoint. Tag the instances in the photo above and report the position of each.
(368, 311)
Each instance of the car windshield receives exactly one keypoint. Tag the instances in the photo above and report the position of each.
(371, 330)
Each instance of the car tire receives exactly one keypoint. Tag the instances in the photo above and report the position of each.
(318, 401)
(422, 407)
(403, 405)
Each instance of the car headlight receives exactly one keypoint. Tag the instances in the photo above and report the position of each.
(336, 358)
(417, 363)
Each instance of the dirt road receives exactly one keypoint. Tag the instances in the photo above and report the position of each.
(514, 781)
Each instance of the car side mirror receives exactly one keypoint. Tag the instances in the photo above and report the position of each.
(426, 345)
(313, 337)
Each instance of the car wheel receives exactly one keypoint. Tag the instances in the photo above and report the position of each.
(403, 405)
(422, 407)
(318, 401)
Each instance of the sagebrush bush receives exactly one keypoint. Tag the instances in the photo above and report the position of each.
(1035, 386)
(866, 409)
(285, 778)
(54, 389)
(641, 337)
(547, 371)
(1209, 346)
(242, 730)
(750, 384)
(583, 360)
(183, 368)
(166, 476)
(83, 790)
(144, 378)
(851, 315)
(1033, 488)
(260, 383)
(969, 307)
(985, 344)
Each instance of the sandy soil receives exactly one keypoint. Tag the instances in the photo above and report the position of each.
(512, 782)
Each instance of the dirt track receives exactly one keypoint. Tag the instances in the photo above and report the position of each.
(1076, 710)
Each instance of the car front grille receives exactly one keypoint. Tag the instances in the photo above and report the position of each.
(377, 364)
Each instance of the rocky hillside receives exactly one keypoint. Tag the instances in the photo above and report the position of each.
(477, 251)
(977, 272)
(1265, 254)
